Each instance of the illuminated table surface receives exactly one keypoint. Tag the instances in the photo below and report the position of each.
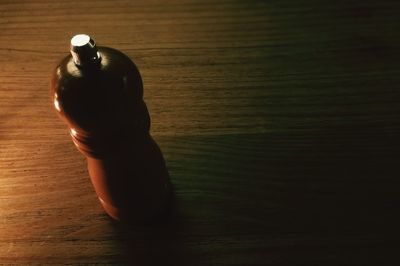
(279, 121)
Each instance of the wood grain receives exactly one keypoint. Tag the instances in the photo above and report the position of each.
(279, 121)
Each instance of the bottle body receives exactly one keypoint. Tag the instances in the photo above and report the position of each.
(109, 123)
(128, 184)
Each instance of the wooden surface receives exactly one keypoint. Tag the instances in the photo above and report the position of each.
(279, 121)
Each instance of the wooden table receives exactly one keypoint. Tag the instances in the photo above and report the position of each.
(279, 121)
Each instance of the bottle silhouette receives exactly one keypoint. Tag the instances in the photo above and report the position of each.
(98, 92)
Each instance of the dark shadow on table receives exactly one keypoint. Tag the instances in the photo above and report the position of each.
(302, 198)
(156, 243)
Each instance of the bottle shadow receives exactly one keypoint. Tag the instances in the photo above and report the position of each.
(282, 198)
(155, 243)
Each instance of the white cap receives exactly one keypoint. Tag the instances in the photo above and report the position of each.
(84, 50)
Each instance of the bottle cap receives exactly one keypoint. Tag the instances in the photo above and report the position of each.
(84, 50)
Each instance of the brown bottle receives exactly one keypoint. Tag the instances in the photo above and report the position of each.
(99, 93)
